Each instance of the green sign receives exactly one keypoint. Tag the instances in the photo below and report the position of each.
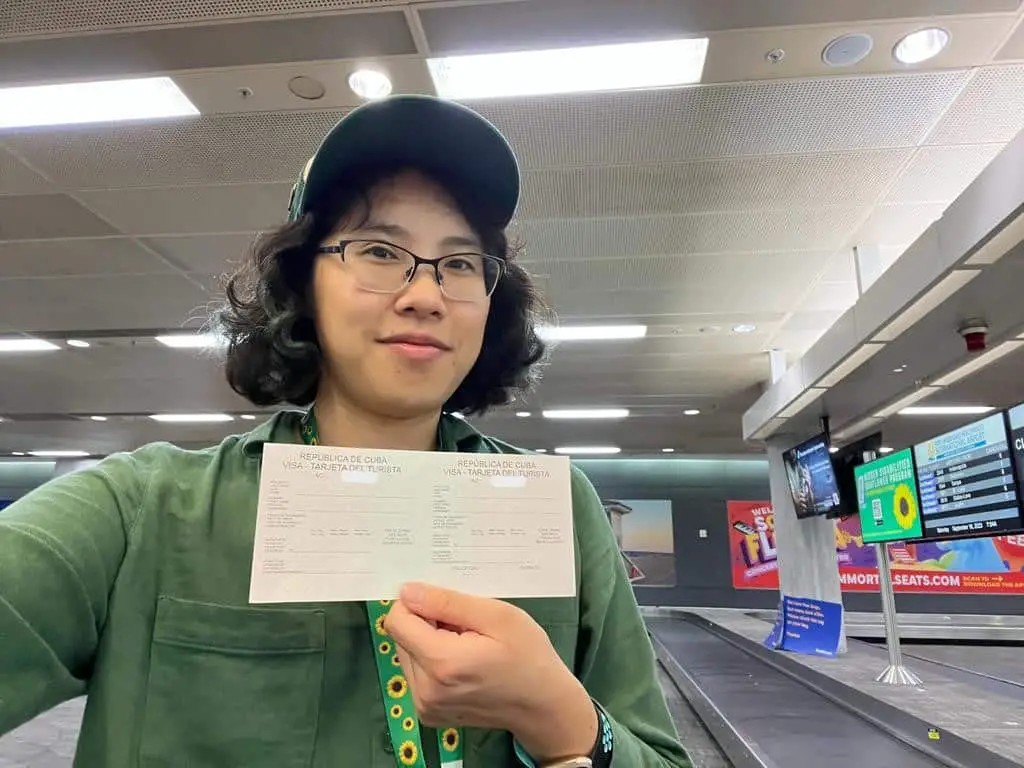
(887, 499)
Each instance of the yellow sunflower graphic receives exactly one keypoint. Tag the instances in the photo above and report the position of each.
(408, 724)
(384, 648)
(396, 711)
(378, 625)
(397, 687)
(408, 754)
(395, 661)
(904, 507)
(385, 603)
(450, 739)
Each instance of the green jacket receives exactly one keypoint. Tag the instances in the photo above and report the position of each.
(129, 582)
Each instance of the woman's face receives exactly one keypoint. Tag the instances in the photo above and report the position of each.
(399, 355)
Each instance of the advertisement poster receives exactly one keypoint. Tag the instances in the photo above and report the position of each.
(887, 498)
(969, 566)
(643, 528)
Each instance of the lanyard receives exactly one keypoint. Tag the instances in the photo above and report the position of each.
(403, 725)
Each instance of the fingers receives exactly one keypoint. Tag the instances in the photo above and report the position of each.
(455, 609)
(418, 636)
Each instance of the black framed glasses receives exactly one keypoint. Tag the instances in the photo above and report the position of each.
(382, 267)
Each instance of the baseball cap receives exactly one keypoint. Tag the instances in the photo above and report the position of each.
(442, 138)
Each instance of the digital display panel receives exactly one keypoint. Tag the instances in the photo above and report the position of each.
(1016, 417)
(887, 499)
(966, 482)
(812, 478)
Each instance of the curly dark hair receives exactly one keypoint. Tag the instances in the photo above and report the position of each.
(273, 354)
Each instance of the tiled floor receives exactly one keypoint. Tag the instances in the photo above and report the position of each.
(46, 742)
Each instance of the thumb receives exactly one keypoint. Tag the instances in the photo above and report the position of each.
(446, 606)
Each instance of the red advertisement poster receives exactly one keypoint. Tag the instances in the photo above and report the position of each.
(971, 566)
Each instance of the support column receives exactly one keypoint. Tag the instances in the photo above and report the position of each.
(867, 260)
(805, 549)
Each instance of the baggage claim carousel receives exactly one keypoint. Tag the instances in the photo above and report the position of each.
(737, 703)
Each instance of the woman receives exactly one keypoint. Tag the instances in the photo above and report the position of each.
(389, 298)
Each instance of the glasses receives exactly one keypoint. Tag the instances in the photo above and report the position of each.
(382, 267)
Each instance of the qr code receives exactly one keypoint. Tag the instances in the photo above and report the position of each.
(876, 511)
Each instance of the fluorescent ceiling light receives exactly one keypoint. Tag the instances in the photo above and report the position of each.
(59, 454)
(885, 449)
(691, 412)
(248, 417)
(189, 340)
(191, 418)
(591, 332)
(586, 413)
(668, 450)
(921, 45)
(570, 70)
(833, 449)
(588, 450)
(97, 418)
(369, 84)
(26, 345)
(93, 102)
(78, 344)
(523, 414)
(541, 450)
(744, 328)
(947, 410)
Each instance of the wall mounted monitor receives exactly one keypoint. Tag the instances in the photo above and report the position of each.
(844, 462)
(811, 478)
(1016, 418)
(966, 482)
(887, 498)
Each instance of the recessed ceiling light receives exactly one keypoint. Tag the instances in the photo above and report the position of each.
(921, 45)
(59, 454)
(248, 417)
(591, 332)
(691, 412)
(885, 449)
(833, 449)
(78, 344)
(97, 418)
(191, 418)
(189, 340)
(570, 70)
(668, 450)
(93, 102)
(586, 413)
(744, 328)
(541, 450)
(26, 345)
(369, 84)
(847, 50)
(588, 450)
(946, 410)
(523, 414)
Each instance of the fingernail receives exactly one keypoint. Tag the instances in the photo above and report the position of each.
(412, 593)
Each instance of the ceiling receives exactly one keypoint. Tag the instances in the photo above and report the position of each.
(696, 210)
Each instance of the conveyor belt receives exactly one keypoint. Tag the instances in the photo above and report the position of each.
(997, 664)
(784, 723)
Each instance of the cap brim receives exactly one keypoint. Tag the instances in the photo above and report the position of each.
(439, 137)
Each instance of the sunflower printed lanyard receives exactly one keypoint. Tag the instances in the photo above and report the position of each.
(403, 725)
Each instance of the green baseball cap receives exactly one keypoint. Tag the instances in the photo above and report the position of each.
(442, 138)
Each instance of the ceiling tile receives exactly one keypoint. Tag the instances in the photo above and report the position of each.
(893, 224)
(208, 254)
(762, 118)
(18, 178)
(754, 183)
(81, 256)
(220, 149)
(730, 232)
(193, 210)
(990, 110)
(105, 302)
(941, 174)
(31, 217)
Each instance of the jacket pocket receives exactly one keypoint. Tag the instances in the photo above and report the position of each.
(232, 687)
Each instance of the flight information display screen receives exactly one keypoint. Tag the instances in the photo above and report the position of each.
(966, 482)
(1016, 416)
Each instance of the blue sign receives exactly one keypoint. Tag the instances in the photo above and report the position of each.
(774, 639)
(809, 626)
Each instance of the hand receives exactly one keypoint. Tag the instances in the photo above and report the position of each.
(478, 662)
